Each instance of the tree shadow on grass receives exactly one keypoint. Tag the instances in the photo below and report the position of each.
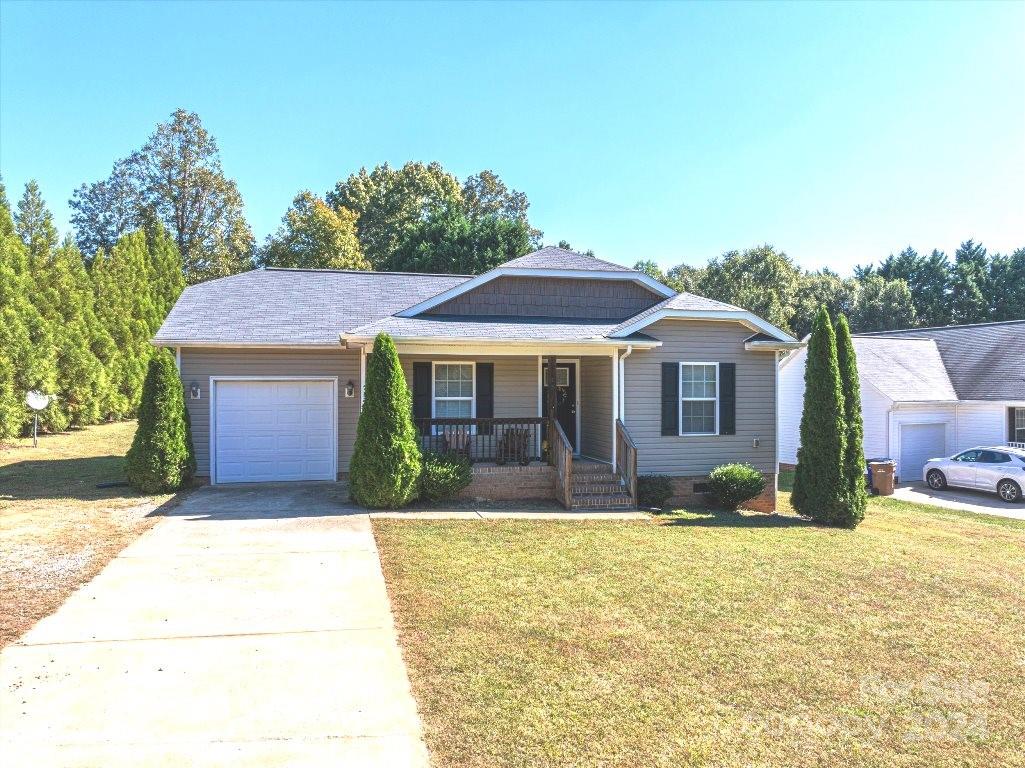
(64, 479)
(718, 518)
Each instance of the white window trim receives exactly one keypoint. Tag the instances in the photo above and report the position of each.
(683, 399)
(473, 383)
(1019, 417)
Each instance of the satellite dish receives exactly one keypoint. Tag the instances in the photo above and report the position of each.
(37, 401)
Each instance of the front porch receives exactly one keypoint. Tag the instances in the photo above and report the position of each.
(538, 426)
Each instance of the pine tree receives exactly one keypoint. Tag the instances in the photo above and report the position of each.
(819, 487)
(970, 284)
(385, 466)
(161, 457)
(854, 452)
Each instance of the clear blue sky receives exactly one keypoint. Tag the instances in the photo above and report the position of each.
(837, 132)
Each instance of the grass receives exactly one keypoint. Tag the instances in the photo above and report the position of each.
(57, 529)
(715, 639)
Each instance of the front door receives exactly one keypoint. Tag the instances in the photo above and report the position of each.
(566, 399)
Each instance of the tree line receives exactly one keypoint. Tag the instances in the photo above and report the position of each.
(77, 328)
(908, 290)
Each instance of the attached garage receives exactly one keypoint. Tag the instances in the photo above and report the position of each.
(918, 444)
(273, 429)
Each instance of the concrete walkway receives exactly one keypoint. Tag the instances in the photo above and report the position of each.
(960, 498)
(251, 627)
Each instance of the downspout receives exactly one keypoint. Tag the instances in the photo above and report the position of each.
(622, 382)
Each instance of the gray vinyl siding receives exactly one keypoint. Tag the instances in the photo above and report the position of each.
(515, 380)
(552, 297)
(701, 341)
(596, 407)
(198, 365)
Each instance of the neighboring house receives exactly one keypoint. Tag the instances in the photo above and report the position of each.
(273, 364)
(926, 392)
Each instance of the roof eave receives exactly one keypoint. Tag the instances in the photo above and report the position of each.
(222, 343)
(748, 319)
(602, 341)
(772, 346)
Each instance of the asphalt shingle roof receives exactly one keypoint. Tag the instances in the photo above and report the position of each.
(551, 257)
(985, 361)
(905, 370)
(683, 301)
(290, 306)
(483, 327)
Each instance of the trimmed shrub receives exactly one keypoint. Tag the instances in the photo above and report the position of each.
(385, 467)
(819, 488)
(653, 490)
(853, 512)
(730, 485)
(442, 476)
(161, 457)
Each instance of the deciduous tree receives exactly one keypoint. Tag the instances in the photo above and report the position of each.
(313, 235)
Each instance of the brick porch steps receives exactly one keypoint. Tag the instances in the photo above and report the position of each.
(597, 485)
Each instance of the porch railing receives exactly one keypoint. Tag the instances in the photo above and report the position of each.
(561, 458)
(626, 459)
(503, 441)
(1013, 444)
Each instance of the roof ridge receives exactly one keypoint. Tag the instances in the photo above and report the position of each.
(351, 271)
(941, 327)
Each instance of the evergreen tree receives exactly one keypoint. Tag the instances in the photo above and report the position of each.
(26, 343)
(6, 219)
(64, 296)
(854, 453)
(970, 284)
(161, 458)
(385, 464)
(34, 223)
(1007, 278)
(820, 490)
(166, 279)
(125, 310)
(883, 305)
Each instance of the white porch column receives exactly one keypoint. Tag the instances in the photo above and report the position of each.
(615, 400)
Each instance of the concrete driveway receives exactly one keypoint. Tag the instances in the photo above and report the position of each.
(250, 627)
(959, 498)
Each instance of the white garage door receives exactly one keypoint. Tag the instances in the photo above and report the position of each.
(918, 444)
(274, 430)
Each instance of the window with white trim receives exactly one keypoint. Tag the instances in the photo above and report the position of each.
(1019, 425)
(453, 390)
(699, 398)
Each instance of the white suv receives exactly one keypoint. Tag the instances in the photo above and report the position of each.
(999, 470)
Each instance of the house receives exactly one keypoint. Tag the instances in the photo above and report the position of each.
(925, 392)
(560, 375)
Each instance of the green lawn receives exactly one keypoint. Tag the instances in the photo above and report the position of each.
(715, 639)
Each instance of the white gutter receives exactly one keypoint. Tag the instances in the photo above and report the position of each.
(475, 341)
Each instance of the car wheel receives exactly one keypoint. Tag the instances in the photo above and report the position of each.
(936, 480)
(1009, 491)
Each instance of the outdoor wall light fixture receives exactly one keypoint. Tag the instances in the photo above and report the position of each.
(194, 391)
(756, 442)
(350, 389)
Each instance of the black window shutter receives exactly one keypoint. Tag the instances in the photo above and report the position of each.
(670, 398)
(485, 395)
(1010, 425)
(727, 398)
(422, 395)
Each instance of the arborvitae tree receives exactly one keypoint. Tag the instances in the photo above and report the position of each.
(854, 452)
(820, 491)
(26, 344)
(6, 219)
(166, 279)
(64, 296)
(34, 223)
(124, 309)
(385, 464)
(161, 457)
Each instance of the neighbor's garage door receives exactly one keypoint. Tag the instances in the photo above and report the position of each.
(918, 444)
(274, 430)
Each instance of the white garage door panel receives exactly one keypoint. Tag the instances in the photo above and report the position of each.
(274, 430)
(918, 444)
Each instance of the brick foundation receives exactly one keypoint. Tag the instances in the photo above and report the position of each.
(510, 482)
(685, 495)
